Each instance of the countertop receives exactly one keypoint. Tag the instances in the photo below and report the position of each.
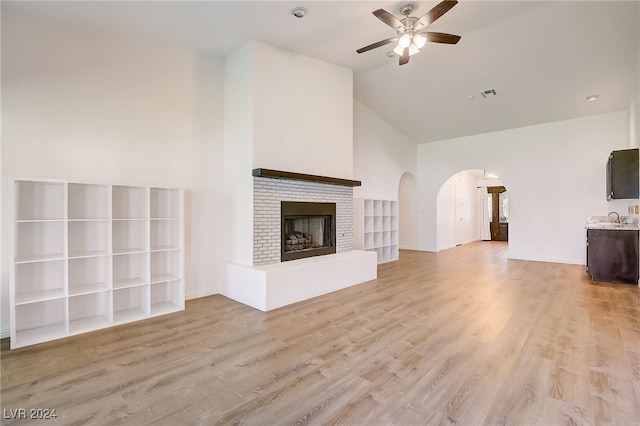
(627, 223)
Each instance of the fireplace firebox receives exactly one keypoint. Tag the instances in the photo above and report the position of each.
(308, 229)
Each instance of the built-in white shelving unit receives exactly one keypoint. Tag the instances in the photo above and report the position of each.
(376, 227)
(89, 256)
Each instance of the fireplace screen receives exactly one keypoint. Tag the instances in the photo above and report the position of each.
(308, 229)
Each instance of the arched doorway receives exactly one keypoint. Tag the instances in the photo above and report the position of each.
(464, 209)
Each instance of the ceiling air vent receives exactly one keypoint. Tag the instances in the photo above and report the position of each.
(488, 92)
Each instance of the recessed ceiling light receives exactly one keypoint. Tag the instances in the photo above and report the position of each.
(299, 12)
(592, 98)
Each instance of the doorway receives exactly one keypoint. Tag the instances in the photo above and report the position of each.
(498, 205)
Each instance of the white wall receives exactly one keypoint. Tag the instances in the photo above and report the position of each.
(555, 175)
(85, 105)
(302, 114)
(382, 154)
(238, 156)
(408, 212)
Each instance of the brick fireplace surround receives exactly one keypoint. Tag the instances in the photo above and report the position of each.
(267, 195)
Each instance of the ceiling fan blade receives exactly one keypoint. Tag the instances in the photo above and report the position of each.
(389, 19)
(442, 37)
(405, 56)
(377, 44)
(434, 14)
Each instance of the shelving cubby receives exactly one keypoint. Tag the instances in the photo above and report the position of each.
(130, 236)
(130, 202)
(130, 304)
(85, 255)
(88, 201)
(166, 266)
(89, 275)
(130, 270)
(376, 227)
(39, 321)
(90, 312)
(39, 200)
(88, 238)
(39, 281)
(165, 203)
(166, 297)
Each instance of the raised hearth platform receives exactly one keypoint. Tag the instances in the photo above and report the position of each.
(270, 287)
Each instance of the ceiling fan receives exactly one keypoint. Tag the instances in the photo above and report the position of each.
(411, 36)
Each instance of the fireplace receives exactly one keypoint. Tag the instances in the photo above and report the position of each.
(308, 229)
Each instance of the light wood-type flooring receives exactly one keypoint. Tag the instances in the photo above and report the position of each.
(462, 337)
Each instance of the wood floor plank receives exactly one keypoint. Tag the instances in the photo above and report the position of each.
(464, 336)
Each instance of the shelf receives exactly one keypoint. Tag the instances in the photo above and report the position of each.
(39, 200)
(39, 296)
(130, 236)
(39, 335)
(40, 321)
(376, 222)
(369, 224)
(128, 283)
(166, 297)
(394, 238)
(377, 239)
(84, 325)
(88, 238)
(163, 277)
(89, 311)
(394, 208)
(377, 207)
(82, 258)
(130, 270)
(38, 281)
(130, 304)
(368, 241)
(166, 265)
(129, 202)
(89, 275)
(164, 203)
(369, 208)
(86, 201)
(165, 235)
(39, 241)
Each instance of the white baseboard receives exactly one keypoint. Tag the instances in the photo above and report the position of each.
(200, 293)
(4, 333)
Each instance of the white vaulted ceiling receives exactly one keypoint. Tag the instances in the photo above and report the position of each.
(542, 57)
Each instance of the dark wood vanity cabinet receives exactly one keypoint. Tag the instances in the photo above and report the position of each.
(623, 169)
(612, 255)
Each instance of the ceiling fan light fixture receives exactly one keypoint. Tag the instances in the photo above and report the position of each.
(413, 49)
(419, 40)
(405, 40)
(398, 50)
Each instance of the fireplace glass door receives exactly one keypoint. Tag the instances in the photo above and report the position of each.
(308, 229)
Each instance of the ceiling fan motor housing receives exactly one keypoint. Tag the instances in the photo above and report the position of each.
(406, 9)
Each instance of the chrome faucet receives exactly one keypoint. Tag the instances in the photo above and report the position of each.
(617, 216)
